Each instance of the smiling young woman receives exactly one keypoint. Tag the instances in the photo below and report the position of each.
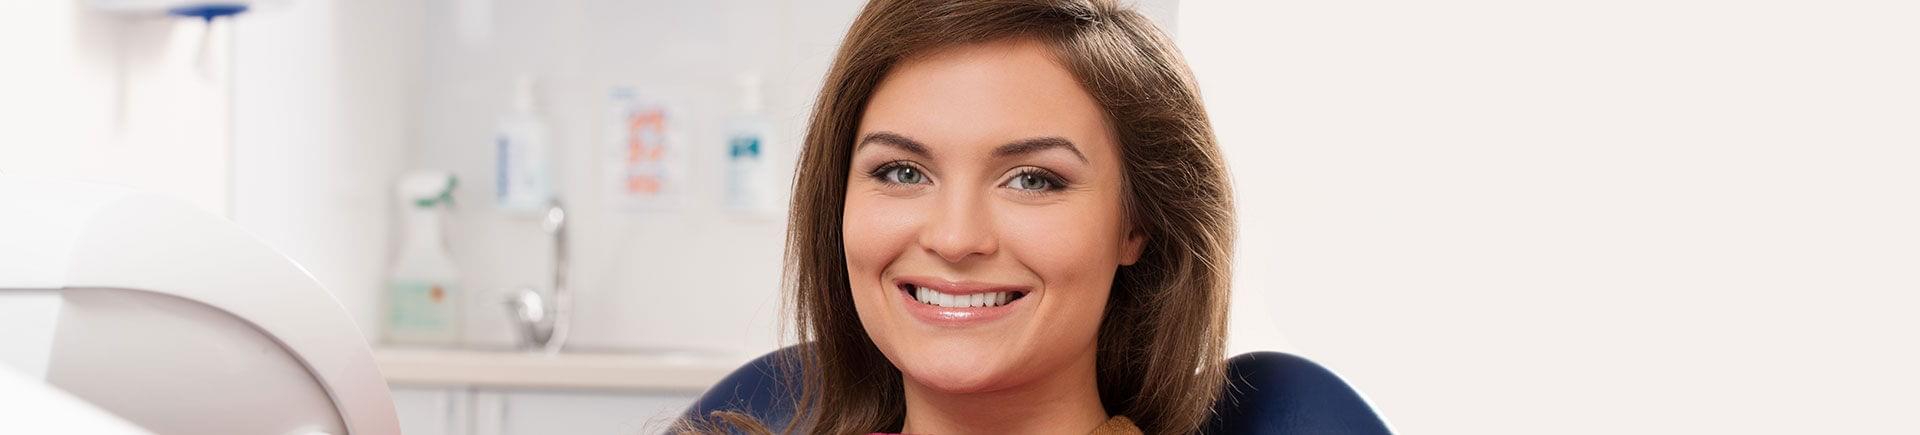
(1010, 216)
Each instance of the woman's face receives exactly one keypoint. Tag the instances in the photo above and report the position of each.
(986, 182)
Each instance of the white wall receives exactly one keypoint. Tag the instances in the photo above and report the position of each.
(1688, 216)
(695, 277)
(136, 100)
(325, 102)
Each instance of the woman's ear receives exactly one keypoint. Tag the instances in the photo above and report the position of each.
(1131, 247)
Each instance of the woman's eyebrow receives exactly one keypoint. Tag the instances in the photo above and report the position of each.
(1015, 148)
(897, 141)
(1037, 144)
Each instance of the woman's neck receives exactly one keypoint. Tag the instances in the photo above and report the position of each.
(1065, 402)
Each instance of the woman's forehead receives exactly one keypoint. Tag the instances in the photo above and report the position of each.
(975, 97)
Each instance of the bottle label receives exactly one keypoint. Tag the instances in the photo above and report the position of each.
(420, 306)
(744, 146)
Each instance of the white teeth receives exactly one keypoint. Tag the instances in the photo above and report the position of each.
(930, 297)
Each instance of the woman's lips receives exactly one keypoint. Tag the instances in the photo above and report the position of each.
(958, 303)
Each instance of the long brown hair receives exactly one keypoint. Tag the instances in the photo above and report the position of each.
(1162, 339)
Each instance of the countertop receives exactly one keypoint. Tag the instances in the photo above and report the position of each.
(674, 372)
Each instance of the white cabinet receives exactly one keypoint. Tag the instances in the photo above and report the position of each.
(465, 392)
(485, 411)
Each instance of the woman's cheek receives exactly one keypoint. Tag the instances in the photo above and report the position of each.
(875, 231)
(1061, 244)
(868, 234)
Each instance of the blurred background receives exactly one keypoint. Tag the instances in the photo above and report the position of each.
(1676, 216)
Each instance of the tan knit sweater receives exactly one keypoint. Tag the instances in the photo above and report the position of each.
(1117, 425)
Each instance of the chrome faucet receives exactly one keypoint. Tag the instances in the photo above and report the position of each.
(544, 326)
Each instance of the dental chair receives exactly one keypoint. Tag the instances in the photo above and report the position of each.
(174, 320)
(1267, 393)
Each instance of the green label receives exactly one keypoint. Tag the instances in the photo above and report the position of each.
(420, 306)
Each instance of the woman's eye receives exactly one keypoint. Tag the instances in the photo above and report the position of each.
(903, 174)
(1034, 182)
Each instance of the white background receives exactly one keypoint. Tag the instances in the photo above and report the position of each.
(1523, 217)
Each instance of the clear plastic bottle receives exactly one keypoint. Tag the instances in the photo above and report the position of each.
(423, 294)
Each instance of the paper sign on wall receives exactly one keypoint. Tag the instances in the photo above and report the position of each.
(644, 170)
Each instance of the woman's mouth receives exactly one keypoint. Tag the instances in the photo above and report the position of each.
(956, 303)
(929, 296)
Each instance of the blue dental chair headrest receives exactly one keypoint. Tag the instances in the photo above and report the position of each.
(1267, 393)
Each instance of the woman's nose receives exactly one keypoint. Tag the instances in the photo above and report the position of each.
(961, 226)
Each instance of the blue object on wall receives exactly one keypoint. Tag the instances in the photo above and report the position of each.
(208, 11)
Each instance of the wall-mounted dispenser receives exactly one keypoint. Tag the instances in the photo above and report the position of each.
(203, 9)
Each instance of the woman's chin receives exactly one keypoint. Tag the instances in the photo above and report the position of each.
(956, 373)
(955, 383)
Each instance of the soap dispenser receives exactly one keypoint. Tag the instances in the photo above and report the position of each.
(523, 172)
(749, 184)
